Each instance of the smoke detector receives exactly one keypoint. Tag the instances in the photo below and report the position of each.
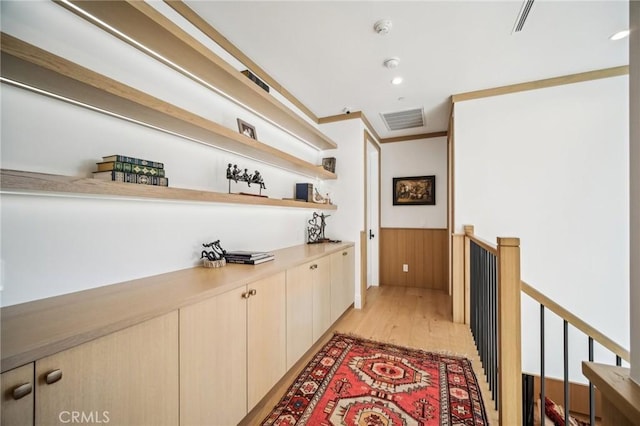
(391, 63)
(383, 26)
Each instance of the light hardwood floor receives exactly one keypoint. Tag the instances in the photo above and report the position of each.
(407, 316)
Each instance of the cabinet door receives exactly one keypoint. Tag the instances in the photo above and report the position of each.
(342, 282)
(213, 360)
(17, 396)
(126, 378)
(321, 271)
(299, 312)
(266, 336)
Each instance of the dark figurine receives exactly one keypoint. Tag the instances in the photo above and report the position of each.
(216, 252)
(257, 178)
(236, 175)
(245, 177)
(315, 232)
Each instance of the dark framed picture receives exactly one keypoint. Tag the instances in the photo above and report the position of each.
(247, 129)
(414, 191)
(329, 164)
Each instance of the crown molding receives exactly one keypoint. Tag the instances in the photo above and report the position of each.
(541, 84)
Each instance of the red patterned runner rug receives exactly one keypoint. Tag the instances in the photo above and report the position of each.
(354, 381)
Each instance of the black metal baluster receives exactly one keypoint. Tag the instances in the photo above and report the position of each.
(542, 376)
(592, 394)
(472, 291)
(566, 372)
(492, 316)
(482, 310)
(474, 288)
(494, 286)
(484, 307)
(618, 361)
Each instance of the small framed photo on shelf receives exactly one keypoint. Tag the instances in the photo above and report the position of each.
(329, 164)
(247, 129)
(414, 191)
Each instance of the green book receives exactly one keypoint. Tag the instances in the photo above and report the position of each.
(116, 176)
(133, 160)
(121, 166)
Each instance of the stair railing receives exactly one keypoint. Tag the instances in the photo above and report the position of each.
(488, 277)
(486, 289)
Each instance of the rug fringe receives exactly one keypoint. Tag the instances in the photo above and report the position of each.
(386, 342)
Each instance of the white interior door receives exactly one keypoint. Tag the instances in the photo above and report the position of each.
(373, 219)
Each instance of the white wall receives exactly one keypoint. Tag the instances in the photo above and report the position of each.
(634, 161)
(414, 158)
(551, 166)
(348, 193)
(53, 245)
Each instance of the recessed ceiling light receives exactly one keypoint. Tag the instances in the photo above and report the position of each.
(620, 35)
(396, 80)
(391, 63)
(383, 26)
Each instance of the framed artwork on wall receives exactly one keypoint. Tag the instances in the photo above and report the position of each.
(247, 129)
(329, 164)
(414, 191)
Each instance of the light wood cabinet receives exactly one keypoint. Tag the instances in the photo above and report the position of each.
(299, 313)
(342, 282)
(213, 348)
(266, 336)
(213, 356)
(308, 306)
(17, 396)
(318, 292)
(129, 377)
(321, 281)
(232, 352)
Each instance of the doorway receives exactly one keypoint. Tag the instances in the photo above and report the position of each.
(372, 213)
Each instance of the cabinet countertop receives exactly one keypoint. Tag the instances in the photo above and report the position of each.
(36, 329)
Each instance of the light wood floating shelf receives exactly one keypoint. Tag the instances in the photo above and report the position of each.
(144, 24)
(44, 71)
(17, 181)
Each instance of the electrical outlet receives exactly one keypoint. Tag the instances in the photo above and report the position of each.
(405, 268)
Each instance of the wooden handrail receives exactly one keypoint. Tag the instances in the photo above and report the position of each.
(575, 321)
(491, 248)
(469, 232)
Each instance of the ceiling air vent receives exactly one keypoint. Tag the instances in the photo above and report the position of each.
(404, 119)
(522, 16)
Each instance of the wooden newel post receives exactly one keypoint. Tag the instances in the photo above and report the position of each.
(468, 232)
(509, 349)
(457, 278)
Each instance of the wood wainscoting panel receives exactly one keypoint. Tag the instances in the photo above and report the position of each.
(423, 250)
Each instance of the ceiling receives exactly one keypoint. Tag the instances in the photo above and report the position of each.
(328, 55)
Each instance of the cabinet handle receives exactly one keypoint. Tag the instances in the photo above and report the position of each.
(344, 253)
(22, 391)
(314, 266)
(246, 295)
(53, 376)
(253, 292)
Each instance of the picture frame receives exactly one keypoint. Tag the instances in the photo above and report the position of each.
(414, 191)
(329, 164)
(247, 129)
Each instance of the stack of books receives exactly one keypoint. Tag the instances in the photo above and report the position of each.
(120, 168)
(248, 257)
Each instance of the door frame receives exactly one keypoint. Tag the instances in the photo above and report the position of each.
(364, 238)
